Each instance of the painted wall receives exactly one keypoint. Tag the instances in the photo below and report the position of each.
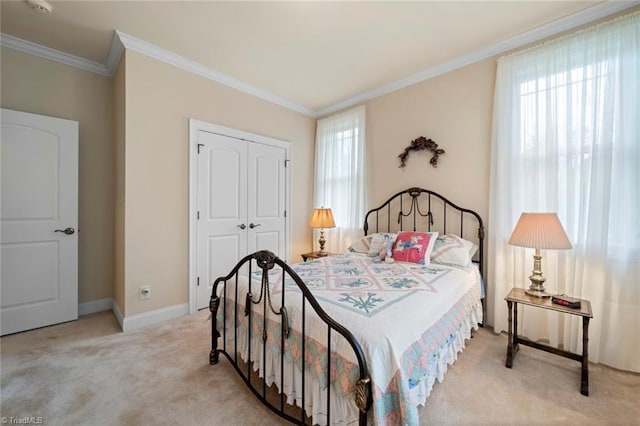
(39, 86)
(160, 99)
(119, 116)
(133, 194)
(455, 110)
(134, 157)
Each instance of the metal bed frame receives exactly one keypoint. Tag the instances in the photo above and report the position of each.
(412, 197)
(266, 260)
(409, 211)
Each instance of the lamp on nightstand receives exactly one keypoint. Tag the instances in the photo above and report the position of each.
(539, 231)
(322, 218)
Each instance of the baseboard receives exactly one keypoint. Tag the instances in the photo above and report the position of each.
(118, 313)
(94, 306)
(146, 319)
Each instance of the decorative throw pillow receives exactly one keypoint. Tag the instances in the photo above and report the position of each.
(414, 246)
(453, 250)
(379, 244)
(386, 250)
(363, 244)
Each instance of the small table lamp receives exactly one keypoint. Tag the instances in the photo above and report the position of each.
(539, 231)
(322, 218)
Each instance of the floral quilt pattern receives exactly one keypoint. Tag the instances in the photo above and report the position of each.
(356, 283)
(357, 287)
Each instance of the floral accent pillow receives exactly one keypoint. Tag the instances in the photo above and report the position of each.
(452, 250)
(363, 245)
(414, 247)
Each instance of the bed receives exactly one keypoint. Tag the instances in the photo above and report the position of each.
(352, 338)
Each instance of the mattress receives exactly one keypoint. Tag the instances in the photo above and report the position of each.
(411, 321)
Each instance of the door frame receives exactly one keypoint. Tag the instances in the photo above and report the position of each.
(196, 126)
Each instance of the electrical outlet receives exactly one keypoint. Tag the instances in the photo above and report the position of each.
(145, 292)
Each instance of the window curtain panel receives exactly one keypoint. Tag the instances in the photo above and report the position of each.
(566, 139)
(340, 176)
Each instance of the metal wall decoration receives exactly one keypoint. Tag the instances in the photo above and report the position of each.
(421, 144)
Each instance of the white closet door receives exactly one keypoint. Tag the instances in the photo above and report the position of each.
(39, 196)
(222, 208)
(267, 198)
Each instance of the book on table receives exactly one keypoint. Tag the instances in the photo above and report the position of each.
(564, 300)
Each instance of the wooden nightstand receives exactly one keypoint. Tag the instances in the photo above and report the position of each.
(518, 295)
(314, 255)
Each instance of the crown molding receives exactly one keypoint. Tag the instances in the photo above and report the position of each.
(34, 49)
(122, 41)
(181, 62)
(115, 53)
(583, 17)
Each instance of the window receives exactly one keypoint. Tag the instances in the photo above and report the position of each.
(566, 139)
(562, 117)
(340, 174)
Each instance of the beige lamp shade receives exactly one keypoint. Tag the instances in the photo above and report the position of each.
(541, 231)
(322, 218)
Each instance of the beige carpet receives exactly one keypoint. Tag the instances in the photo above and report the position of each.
(88, 373)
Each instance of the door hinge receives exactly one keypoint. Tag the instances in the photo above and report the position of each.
(198, 215)
(286, 162)
(285, 213)
(199, 145)
(198, 281)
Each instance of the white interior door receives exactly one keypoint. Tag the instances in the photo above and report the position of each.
(39, 173)
(266, 198)
(222, 209)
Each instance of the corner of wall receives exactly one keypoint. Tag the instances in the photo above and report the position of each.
(119, 124)
(118, 313)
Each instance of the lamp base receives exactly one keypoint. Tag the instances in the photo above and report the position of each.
(536, 288)
(321, 241)
(537, 293)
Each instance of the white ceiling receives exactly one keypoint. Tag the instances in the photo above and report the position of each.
(317, 55)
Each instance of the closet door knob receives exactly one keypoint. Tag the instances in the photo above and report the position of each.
(242, 226)
(251, 225)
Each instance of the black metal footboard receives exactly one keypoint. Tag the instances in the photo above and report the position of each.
(254, 315)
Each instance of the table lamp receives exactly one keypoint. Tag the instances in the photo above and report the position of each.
(539, 231)
(322, 218)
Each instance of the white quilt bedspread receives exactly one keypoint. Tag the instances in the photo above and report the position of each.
(407, 318)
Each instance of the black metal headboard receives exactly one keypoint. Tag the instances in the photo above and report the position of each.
(419, 209)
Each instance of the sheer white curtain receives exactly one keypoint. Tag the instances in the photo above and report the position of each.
(566, 138)
(340, 177)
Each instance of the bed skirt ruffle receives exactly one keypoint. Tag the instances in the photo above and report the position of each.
(343, 408)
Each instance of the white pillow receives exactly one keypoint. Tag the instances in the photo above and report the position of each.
(363, 244)
(452, 250)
